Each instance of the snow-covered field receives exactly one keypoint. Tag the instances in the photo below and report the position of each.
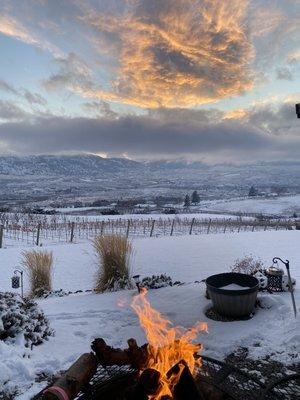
(283, 205)
(77, 319)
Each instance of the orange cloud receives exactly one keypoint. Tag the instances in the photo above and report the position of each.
(177, 53)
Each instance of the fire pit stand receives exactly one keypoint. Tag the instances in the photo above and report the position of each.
(214, 376)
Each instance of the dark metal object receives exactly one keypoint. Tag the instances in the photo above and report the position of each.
(15, 281)
(137, 282)
(274, 283)
(112, 382)
(298, 110)
(291, 288)
(233, 303)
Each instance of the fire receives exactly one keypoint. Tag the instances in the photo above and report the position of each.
(167, 345)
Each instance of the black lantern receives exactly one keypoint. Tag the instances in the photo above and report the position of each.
(274, 276)
(17, 281)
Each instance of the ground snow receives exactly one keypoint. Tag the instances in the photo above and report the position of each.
(77, 319)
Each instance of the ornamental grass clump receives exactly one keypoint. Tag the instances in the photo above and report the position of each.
(39, 266)
(113, 254)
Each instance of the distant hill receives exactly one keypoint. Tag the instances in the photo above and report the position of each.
(63, 165)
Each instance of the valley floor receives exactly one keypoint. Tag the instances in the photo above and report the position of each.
(78, 318)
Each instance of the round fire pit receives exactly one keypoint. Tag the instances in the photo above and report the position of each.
(232, 294)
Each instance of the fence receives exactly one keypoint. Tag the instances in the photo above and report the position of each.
(50, 231)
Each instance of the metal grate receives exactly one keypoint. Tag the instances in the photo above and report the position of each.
(109, 383)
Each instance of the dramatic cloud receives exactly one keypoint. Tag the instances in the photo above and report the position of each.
(176, 53)
(202, 135)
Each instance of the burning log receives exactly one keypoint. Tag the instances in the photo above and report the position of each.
(185, 387)
(135, 356)
(74, 380)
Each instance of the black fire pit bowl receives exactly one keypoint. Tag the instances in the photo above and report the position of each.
(232, 303)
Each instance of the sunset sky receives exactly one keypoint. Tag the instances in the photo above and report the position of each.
(208, 80)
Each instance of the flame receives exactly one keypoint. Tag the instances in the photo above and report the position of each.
(167, 345)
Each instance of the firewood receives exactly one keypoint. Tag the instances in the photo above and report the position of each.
(150, 381)
(134, 356)
(185, 387)
(74, 380)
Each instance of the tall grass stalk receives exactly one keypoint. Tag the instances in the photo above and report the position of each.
(113, 254)
(39, 266)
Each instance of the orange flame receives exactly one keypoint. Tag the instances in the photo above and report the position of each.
(167, 345)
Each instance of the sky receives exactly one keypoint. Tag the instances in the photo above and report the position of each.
(207, 80)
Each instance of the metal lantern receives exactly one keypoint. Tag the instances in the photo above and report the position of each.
(15, 282)
(274, 276)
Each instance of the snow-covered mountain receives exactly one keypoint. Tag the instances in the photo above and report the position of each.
(89, 177)
(79, 165)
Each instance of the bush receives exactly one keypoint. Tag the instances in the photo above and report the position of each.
(22, 317)
(247, 265)
(39, 266)
(113, 253)
(157, 281)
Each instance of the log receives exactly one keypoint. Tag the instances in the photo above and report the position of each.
(186, 387)
(74, 380)
(134, 356)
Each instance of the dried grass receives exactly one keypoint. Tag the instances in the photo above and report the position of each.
(113, 254)
(39, 266)
(247, 265)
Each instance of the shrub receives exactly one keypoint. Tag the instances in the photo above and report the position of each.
(158, 281)
(247, 265)
(22, 317)
(39, 266)
(113, 253)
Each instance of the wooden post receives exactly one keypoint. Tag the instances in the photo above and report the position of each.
(128, 228)
(152, 228)
(172, 227)
(72, 232)
(38, 235)
(1, 235)
(208, 227)
(192, 224)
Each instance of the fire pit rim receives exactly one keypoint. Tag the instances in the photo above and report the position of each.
(232, 277)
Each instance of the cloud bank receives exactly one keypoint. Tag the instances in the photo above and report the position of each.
(198, 135)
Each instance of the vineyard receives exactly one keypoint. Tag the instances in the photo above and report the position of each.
(33, 229)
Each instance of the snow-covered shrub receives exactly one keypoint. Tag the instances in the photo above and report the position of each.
(20, 317)
(116, 283)
(54, 293)
(247, 265)
(157, 281)
(113, 254)
(39, 266)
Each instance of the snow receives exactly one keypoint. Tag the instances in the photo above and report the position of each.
(234, 286)
(77, 319)
(283, 205)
